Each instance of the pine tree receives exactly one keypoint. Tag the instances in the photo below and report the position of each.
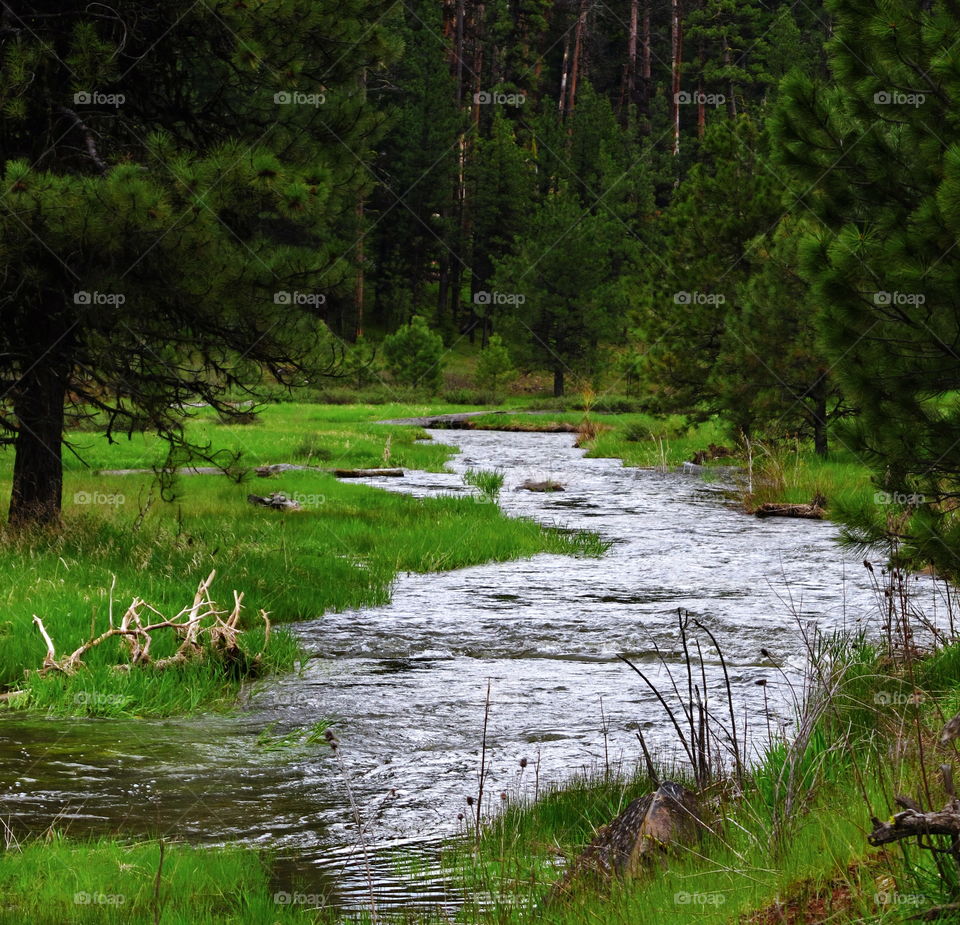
(879, 152)
(771, 371)
(176, 198)
(685, 287)
(559, 292)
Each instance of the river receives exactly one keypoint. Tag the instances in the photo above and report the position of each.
(406, 683)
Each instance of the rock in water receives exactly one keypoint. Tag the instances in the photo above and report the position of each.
(639, 838)
(547, 485)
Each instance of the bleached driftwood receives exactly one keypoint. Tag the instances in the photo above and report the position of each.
(201, 628)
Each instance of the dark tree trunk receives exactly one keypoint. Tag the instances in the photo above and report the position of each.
(558, 382)
(38, 466)
(676, 63)
(820, 419)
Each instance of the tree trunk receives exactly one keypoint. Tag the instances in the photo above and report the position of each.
(630, 88)
(578, 53)
(646, 70)
(676, 59)
(558, 382)
(37, 492)
(820, 418)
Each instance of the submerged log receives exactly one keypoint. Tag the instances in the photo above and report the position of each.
(640, 838)
(805, 511)
(546, 485)
(277, 501)
(367, 473)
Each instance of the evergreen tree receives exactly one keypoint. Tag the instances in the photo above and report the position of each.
(176, 193)
(417, 169)
(685, 288)
(414, 355)
(500, 195)
(560, 292)
(879, 152)
(772, 371)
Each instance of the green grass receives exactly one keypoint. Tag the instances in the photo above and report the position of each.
(806, 861)
(344, 549)
(54, 880)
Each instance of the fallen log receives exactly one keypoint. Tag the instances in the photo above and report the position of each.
(805, 511)
(640, 838)
(912, 823)
(276, 500)
(546, 485)
(367, 473)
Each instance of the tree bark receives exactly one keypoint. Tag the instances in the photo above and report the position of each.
(676, 59)
(646, 69)
(37, 493)
(558, 382)
(819, 415)
(578, 53)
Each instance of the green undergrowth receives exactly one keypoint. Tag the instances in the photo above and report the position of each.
(55, 880)
(343, 549)
(788, 846)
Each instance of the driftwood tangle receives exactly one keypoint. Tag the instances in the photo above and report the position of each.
(202, 628)
(640, 838)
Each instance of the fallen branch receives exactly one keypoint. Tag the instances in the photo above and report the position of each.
(201, 628)
(914, 824)
(367, 473)
(806, 511)
(276, 500)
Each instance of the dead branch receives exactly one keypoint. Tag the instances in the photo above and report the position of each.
(201, 628)
(911, 823)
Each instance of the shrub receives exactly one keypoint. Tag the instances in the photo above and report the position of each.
(414, 355)
(494, 366)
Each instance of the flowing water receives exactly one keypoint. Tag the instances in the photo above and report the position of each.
(407, 683)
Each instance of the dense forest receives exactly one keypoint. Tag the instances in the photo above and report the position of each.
(739, 208)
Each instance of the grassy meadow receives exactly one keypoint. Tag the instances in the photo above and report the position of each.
(120, 540)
